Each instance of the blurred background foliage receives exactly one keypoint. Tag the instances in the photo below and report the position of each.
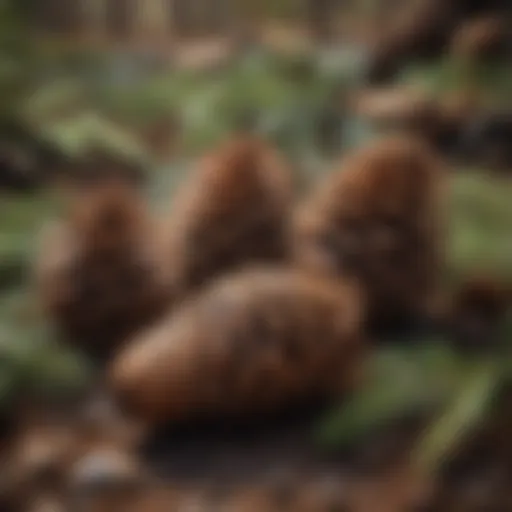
(75, 97)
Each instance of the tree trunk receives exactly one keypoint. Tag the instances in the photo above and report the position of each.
(119, 17)
(319, 13)
(182, 16)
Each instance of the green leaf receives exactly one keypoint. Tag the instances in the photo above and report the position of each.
(76, 136)
(480, 225)
(462, 416)
(400, 382)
